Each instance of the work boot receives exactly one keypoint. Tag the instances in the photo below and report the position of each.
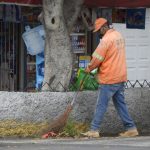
(129, 133)
(91, 134)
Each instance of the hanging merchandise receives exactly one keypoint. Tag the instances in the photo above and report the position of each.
(1, 12)
(17, 16)
(23, 2)
(39, 70)
(30, 15)
(7, 16)
(136, 18)
(34, 39)
(11, 13)
(119, 15)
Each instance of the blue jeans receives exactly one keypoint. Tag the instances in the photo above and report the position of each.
(116, 92)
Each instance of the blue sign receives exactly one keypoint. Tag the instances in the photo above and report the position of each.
(136, 18)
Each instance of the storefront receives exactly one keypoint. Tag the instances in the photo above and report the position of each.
(127, 16)
(15, 63)
(132, 19)
(18, 70)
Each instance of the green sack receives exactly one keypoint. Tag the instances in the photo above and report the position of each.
(85, 81)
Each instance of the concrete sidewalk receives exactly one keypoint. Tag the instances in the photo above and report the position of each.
(141, 141)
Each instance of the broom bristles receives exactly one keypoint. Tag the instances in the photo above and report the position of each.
(59, 123)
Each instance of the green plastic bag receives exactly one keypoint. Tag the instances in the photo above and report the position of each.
(85, 81)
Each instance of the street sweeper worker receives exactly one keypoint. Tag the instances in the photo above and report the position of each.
(109, 58)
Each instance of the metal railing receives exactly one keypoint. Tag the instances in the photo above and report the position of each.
(128, 84)
(8, 55)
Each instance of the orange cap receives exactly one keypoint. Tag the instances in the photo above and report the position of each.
(99, 23)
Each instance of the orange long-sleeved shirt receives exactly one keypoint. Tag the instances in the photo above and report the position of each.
(109, 58)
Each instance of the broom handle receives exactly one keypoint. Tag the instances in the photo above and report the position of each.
(75, 96)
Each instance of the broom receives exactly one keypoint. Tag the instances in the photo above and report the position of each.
(59, 123)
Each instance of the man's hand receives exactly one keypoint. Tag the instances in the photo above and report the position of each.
(87, 70)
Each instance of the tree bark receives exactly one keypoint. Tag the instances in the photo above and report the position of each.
(58, 16)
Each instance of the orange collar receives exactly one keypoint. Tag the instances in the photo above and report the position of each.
(109, 31)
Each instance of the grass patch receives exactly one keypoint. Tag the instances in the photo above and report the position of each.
(73, 129)
(12, 128)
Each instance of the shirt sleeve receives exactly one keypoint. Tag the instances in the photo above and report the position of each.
(99, 55)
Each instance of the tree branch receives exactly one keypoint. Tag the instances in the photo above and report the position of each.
(71, 11)
(87, 18)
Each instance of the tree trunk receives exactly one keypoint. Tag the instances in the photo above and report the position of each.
(58, 54)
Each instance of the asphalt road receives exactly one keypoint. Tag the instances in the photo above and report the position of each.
(139, 143)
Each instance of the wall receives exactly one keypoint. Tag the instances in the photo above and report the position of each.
(38, 107)
(137, 50)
